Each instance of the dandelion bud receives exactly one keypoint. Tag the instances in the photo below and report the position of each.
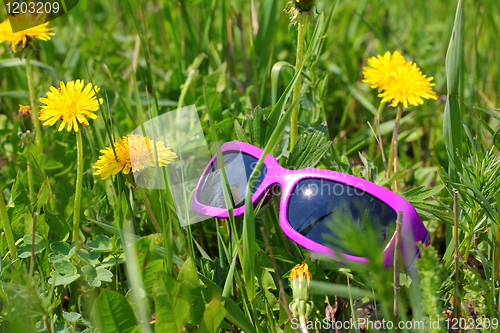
(300, 279)
(296, 8)
(24, 118)
(300, 282)
(24, 111)
(303, 5)
(26, 130)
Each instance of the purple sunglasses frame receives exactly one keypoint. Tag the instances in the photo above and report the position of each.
(412, 232)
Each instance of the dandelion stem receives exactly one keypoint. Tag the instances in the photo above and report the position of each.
(391, 152)
(34, 110)
(78, 192)
(296, 90)
(303, 323)
(7, 228)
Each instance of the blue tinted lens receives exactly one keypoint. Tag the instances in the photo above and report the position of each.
(317, 206)
(239, 167)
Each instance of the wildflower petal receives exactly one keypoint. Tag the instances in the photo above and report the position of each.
(132, 154)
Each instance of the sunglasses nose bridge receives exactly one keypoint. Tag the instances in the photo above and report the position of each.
(277, 174)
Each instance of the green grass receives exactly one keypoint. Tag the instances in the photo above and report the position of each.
(234, 60)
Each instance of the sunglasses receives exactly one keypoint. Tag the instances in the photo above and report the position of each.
(313, 202)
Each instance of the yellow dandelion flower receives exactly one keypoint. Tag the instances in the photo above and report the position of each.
(71, 104)
(39, 31)
(24, 111)
(133, 152)
(383, 70)
(408, 87)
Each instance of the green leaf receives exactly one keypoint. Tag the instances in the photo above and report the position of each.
(44, 196)
(92, 258)
(452, 122)
(64, 273)
(309, 149)
(71, 317)
(420, 193)
(18, 193)
(258, 125)
(149, 261)
(61, 247)
(25, 248)
(14, 62)
(480, 197)
(113, 314)
(64, 191)
(18, 205)
(101, 243)
(59, 227)
(48, 163)
(171, 310)
(240, 133)
(266, 300)
(85, 201)
(275, 74)
(212, 318)
(236, 316)
(61, 251)
(192, 293)
(382, 181)
(217, 79)
(188, 272)
(14, 94)
(95, 276)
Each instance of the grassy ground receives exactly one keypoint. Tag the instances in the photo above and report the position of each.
(152, 57)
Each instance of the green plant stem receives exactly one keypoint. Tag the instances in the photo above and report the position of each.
(7, 228)
(373, 139)
(391, 152)
(34, 110)
(33, 232)
(30, 182)
(303, 323)
(78, 192)
(456, 303)
(496, 256)
(296, 89)
(47, 324)
(184, 91)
